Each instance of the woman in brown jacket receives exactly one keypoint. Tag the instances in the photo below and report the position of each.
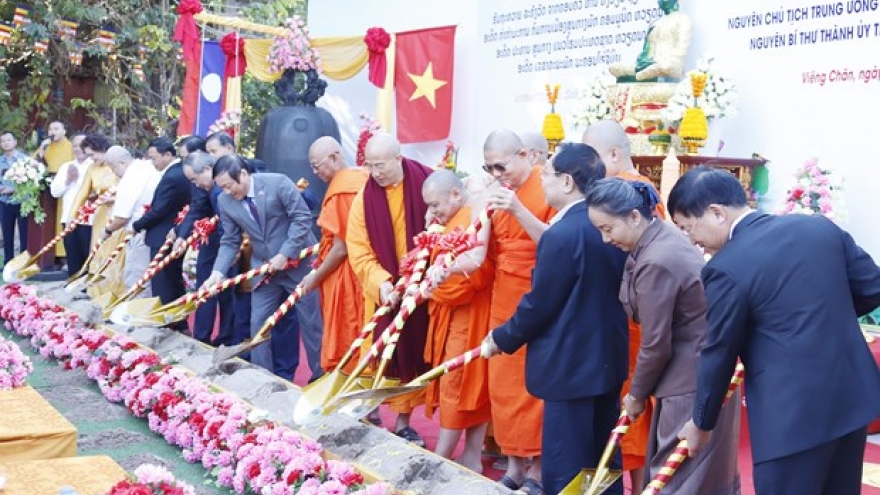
(661, 289)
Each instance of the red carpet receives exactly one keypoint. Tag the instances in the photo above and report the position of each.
(428, 429)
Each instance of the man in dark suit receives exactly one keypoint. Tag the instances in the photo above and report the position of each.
(171, 195)
(198, 168)
(784, 294)
(271, 211)
(574, 325)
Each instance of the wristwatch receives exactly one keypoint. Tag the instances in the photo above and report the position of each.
(108, 231)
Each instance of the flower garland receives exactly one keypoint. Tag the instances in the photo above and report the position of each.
(293, 50)
(150, 479)
(15, 367)
(227, 436)
(29, 177)
(594, 102)
(817, 191)
(369, 126)
(718, 99)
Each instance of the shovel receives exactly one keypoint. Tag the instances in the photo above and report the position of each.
(359, 403)
(87, 277)
(308, 409)
(310, 405)
(138, 313)
(21, 267)
(112, 301)
(680, 452)
(596, 481)
(75, 282)
(224, 353)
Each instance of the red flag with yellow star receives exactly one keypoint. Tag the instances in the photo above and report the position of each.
(424, 63)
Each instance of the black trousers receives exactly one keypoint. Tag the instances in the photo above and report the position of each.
(573, 436)
(167, 284)
(9, 215)
(832, 468)
(76, 245)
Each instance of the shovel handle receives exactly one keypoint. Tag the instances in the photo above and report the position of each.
(399, 289)
(279, 313)
(113, 254)
(388, 341)
(681, 451)
(202, 295)
(448, 366)
(153, 269)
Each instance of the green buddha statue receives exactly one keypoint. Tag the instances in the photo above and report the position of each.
(666, 46)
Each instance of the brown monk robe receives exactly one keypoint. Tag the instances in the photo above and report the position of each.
(610, 141)
(521, 217)
(383, 220)
(342, 303)
(459, 321)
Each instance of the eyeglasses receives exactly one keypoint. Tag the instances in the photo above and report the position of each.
(380, 165)
(687, 231)
(316, 166)
(498, 167)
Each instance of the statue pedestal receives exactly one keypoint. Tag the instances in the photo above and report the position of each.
(638, 107)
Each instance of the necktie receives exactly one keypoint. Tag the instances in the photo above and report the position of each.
(253, 208)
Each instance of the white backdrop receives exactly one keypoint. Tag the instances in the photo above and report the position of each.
(507, 50)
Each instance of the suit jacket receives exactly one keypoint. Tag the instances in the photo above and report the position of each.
(285, 225)
(571, 318)
(171, 195)
(784, 295)
(202, 205)
(663, 292)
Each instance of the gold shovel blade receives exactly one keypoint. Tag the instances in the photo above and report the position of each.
(358, 404)
(316, 395)
(12, 272)
(224, 353)
(580, 485)
(138, 312)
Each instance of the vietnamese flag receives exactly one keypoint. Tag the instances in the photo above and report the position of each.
(424, 63)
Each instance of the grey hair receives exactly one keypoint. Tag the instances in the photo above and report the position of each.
(198, 161)
(618, 197)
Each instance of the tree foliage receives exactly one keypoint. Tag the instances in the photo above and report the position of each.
(126, 108)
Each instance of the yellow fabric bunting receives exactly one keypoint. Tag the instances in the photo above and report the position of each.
(343, 57)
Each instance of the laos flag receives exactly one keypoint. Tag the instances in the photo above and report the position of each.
(203, 91)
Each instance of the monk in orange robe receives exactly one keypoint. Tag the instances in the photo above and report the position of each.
(459, 321)
(609, 140)
(521, 217)
(342, 304)
(384, 218)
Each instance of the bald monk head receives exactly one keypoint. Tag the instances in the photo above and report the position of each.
(118, 159)
(445, 194)
(506, 159)
(382, 159)
(325, 157)
(537, 145)
(609, 140)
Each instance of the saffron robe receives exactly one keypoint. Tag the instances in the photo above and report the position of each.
(371, 274)
(517, 416)
(58, 153)
(459, 321)
(342, 303)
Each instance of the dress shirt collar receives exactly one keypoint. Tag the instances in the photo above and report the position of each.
(737, 221)
(561, 213)
(252, 190)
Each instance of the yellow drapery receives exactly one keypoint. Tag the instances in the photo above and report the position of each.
(343, 57)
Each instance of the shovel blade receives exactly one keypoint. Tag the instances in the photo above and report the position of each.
(224, 353)
(358, 404)
(13, 271)
(580, 485)
(315, 396)
(137, 312)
